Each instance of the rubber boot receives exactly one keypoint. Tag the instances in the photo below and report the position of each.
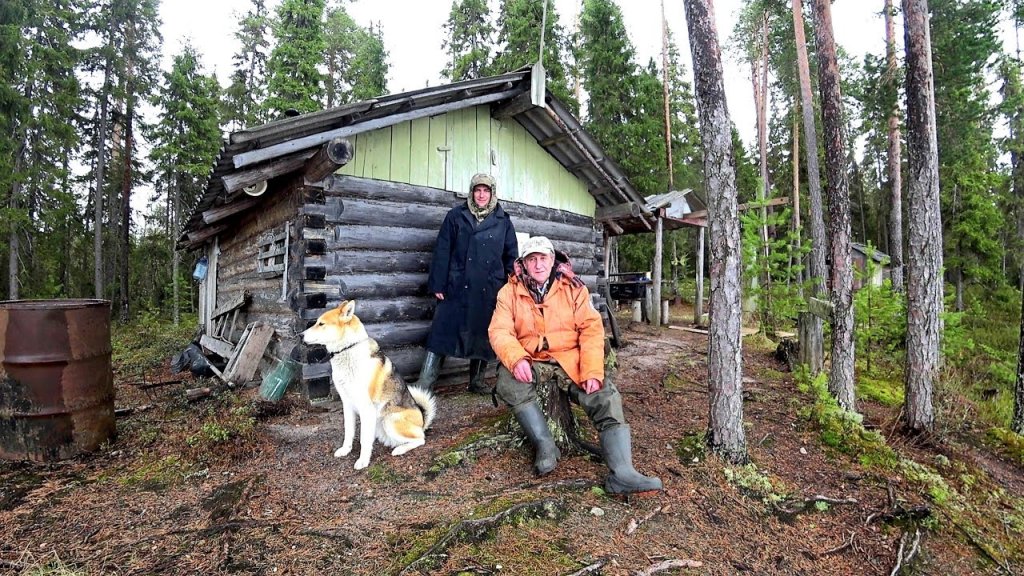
(477, 372)
(429, 371)
(535, 424)
(618, 455)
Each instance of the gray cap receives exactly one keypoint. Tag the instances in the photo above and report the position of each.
(536, 244)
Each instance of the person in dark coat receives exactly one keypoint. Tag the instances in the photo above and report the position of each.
(476, 248)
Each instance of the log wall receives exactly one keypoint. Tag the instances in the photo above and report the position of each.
(237, 269)
(372, 241)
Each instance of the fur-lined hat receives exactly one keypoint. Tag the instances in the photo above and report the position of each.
(486, 180)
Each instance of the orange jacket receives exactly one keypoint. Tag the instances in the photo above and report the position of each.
(566, 319)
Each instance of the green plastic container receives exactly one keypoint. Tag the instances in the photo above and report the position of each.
(276, 383)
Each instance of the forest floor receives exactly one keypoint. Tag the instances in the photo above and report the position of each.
(227, 485)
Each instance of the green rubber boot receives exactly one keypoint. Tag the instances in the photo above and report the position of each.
(618, 455)
(428, 373)
(535, 424)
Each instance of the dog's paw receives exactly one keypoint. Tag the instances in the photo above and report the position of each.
(343, 451)
(362, 463)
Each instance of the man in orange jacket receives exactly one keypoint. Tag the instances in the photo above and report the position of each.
(546, 328)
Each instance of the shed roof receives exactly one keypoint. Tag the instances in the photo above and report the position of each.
(253, 155)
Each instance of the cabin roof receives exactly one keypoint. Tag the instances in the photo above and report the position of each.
(279, 147)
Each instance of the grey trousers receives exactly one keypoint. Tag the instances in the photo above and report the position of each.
(604, 407)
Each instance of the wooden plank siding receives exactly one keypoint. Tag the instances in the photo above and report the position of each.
(377, 239)
(237, 270)
(444, 151)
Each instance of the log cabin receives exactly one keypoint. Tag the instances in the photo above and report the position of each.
(309, 210)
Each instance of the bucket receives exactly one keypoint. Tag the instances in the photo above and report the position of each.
(56, 384)
(276, 383)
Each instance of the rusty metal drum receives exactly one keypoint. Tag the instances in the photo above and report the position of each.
(56, 383)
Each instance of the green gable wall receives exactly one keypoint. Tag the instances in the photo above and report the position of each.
(445, 151)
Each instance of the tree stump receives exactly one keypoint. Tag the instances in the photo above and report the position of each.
(563, 421)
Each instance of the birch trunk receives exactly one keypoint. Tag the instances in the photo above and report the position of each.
(840, 380)
(725, 388)
(924, 261)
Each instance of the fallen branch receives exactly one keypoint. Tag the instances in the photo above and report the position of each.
(592, 569)
(131, 410)
(839, 548)
(634, 523)
(790, 509)
(477, 530)
(668, 565)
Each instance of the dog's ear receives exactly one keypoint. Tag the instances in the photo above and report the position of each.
(348, 308)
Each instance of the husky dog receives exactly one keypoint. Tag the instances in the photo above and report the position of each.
(369, 387)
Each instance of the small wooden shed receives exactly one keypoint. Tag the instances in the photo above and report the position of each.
(881, 270)
(304, 212)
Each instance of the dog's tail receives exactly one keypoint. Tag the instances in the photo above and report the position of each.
(425, 400)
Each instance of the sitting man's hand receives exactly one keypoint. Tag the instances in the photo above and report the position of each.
(591, 385)
(522, 371)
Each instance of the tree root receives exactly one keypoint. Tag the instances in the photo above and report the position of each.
(478, 530)
(906, 558)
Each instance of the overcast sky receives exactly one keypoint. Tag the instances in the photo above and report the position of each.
(413, 35)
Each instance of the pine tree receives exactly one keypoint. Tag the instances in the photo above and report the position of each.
(243, 100)
(519, 35)
(341, 38)
(293, 70)
(725, 385)
(468, 39)
(186, 140)
(40, 199)
(368, 74)
(964, 45)
(924, 248)
(840, 381)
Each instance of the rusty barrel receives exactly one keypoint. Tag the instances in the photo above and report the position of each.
(56, 384)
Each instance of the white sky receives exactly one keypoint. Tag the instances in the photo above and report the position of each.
(413, 34)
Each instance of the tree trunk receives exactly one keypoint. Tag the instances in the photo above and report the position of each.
(665, 97)
(101, 156)
(798, 242)
(698, 300)
(816, 270)
(894, 159)
(126, 209)
(924, 261)
(725, 387)
(1018, 389)
(175, 193)
(765, 190)
(840, 381)
(13, 255)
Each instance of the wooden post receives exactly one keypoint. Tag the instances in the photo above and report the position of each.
(656, 288)
(698, 300)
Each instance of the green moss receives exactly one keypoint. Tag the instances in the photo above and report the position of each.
(883, 391)
(381, 474)
(755, 483)
(1008, 442)
(157, 475)
(692, 448)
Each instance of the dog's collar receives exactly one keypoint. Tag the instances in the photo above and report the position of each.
(352, 345)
